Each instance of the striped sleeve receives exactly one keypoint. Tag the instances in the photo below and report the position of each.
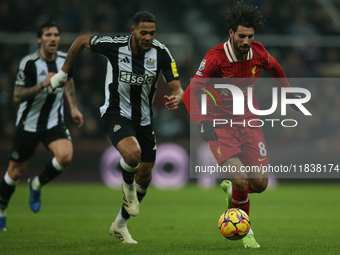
(103, 44)
(26, 71)
(168, 64)
(208, 67)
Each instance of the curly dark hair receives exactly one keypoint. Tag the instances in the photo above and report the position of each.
(245, 15)
(143, 16)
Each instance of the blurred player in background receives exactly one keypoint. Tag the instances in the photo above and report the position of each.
(236, 146)
(40, 118)
(134, 64)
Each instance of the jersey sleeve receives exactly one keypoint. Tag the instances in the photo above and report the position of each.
(169, 68)
(274, 68)
(26, 74)
(101, 44)
(208, 69)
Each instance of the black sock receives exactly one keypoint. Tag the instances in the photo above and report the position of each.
(125, 214)
(140, 197)
(6, 192)
(48, 174)
(128, 177)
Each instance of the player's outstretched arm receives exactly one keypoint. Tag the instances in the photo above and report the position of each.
(277, 72)
(76, 48)
(205, 128)
(176, 98)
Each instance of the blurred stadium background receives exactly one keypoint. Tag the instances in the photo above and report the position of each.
(303, 35)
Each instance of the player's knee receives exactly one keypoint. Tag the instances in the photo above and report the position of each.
(259, 187)
(132, 158)
(240, 184)
(16, 172)
(64, 159)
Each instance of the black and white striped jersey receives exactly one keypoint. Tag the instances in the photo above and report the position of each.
(131, 80)
(46, 109)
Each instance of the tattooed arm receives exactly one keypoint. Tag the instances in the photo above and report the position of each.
(70, 93)
(76, 48)
(22, 94)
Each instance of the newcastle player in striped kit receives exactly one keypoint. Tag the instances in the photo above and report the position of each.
(40, 118)
(134, 64)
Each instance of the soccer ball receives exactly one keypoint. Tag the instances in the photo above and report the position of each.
(234, 224)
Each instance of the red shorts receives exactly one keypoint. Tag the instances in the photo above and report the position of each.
(248, 142)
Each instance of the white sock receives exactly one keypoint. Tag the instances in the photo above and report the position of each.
(3, 212)
(128, 186)
(36, 183)
(120, 221)
(56, 165)
(10, 181)
(126, 167)
(250, 232)
(139, 188)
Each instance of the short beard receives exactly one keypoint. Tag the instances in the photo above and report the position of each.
(239, 50)
(140, 50)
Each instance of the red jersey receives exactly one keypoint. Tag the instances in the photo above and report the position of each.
(221, 62)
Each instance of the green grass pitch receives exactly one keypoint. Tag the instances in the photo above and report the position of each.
(75, 219)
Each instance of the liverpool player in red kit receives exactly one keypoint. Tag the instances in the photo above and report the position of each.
(237, 145)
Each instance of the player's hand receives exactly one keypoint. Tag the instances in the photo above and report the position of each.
(58, 80)
(207, 131)
(47, 80)
(292, 96)
(77, 116)
(171, 102)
